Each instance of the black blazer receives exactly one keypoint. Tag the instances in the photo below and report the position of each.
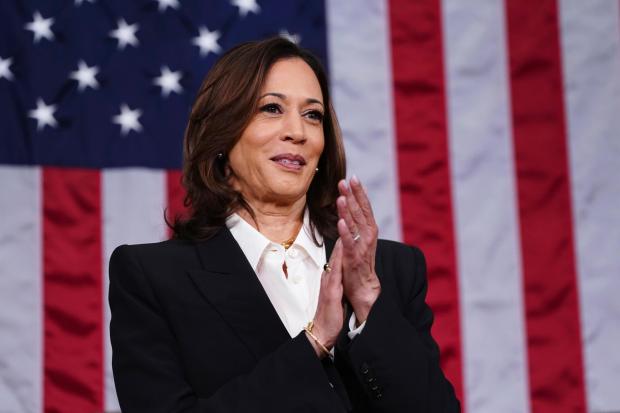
(192, 330)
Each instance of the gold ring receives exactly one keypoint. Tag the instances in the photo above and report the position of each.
(327, 268)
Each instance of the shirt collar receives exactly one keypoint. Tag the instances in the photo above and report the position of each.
(305, 241)
(253, 243)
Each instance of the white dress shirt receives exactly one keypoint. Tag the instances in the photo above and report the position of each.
(295, 298)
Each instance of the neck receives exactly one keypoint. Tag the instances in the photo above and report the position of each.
(279, 223)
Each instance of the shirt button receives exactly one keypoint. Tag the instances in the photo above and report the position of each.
(296, 279)
(293, 253)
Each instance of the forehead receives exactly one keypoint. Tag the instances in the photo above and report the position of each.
(292, 77)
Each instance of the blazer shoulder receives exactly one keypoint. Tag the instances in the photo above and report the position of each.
(393, 249)
(155, 249)
(401, 264)
(157, 257)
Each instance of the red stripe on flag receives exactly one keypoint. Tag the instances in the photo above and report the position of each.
(73, 297)
(423, 163)
(176, 195)
(550, 290)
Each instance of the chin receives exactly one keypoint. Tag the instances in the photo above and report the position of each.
(287, 192)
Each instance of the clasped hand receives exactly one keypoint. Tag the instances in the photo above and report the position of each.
(352, 277)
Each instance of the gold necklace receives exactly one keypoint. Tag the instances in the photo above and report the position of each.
(286, 244)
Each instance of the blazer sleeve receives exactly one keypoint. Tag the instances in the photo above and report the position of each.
(148, 373)
(394, 358)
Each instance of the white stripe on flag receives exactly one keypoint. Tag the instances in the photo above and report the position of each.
(590, 36)
(494, 353)
(361, 81)
(133, 211)
(21, 323)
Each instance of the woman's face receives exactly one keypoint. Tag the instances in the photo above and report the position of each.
(275, 159)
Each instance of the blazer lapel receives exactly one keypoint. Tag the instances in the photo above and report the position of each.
(230, 284)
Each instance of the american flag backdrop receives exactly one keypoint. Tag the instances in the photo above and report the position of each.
(487, 132)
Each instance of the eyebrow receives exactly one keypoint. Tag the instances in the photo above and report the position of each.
(283, 97)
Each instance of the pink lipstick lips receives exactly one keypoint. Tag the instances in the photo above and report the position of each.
(289, 161)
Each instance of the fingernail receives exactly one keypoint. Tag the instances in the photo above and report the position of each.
(355, 180)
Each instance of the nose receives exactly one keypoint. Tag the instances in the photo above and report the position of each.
(293, 128)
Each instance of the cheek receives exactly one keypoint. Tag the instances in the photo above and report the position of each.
(319, 145)
(249, 149)
(258, 138)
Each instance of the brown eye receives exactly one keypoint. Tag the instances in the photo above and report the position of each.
(271, 108)
(315, 115)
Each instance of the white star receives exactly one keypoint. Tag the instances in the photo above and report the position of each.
(295, 38)
(128, 119)
(40, 27)
(79, 2)
(44, 114)
(246, 6)
(85, 76)
(207, 41)
(125, 34)
(168, 81)
(5, 68)
(164, 4)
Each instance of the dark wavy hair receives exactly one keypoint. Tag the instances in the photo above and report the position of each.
(225, 104)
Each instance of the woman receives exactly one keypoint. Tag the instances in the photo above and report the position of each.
(240, 311)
